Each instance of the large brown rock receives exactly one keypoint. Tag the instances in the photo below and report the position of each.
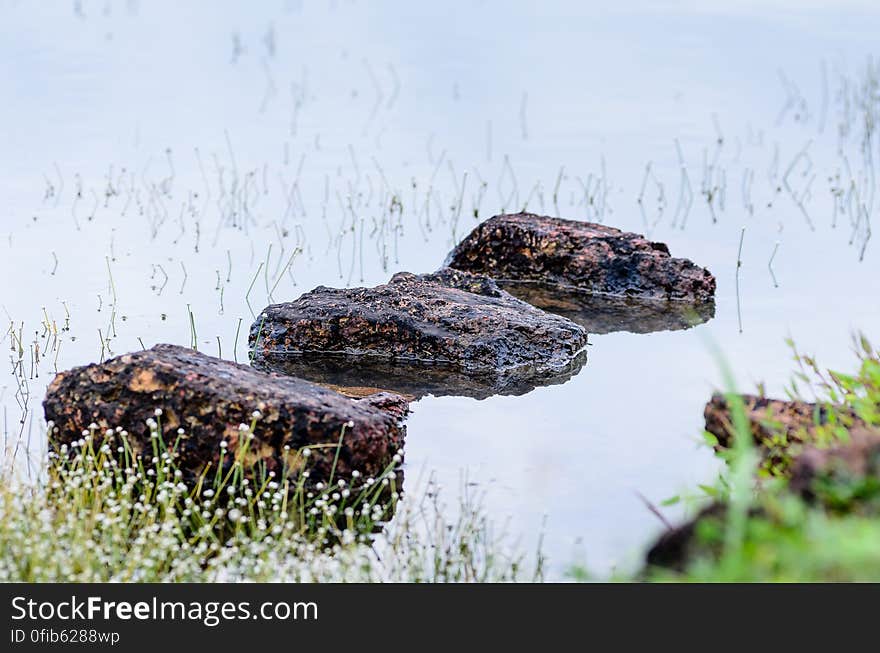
(443, 333)
(210, 398)
(590, 257)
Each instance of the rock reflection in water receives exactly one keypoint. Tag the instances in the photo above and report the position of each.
(363, 375)
(600, 314)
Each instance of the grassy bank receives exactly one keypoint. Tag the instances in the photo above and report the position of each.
(104, 514)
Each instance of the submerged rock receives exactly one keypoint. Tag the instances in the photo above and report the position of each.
(444, 333)
(591, 257)
(210, 398)
(600, 314)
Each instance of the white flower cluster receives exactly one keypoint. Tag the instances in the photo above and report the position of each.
(107, 513)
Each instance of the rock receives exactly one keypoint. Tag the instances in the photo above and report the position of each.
(676, 547)
(766, 418)
(701, 537)
(209, 398)
(796, 420)
(590, 257)
(843, 477)
(600, 314)
(445, 333)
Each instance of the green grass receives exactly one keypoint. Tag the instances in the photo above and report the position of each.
(842, 398)
(788, 541)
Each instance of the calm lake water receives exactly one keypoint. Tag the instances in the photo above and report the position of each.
(159, 155)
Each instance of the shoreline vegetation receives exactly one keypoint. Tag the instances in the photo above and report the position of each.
(792, 505)
(101, 512)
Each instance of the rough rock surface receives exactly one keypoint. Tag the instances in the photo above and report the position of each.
(443, 329)
(600, 314)
(591, 257)
(209, 398)
(796, 419)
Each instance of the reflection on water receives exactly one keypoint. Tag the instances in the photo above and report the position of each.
(600, 314)
(364, 374)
